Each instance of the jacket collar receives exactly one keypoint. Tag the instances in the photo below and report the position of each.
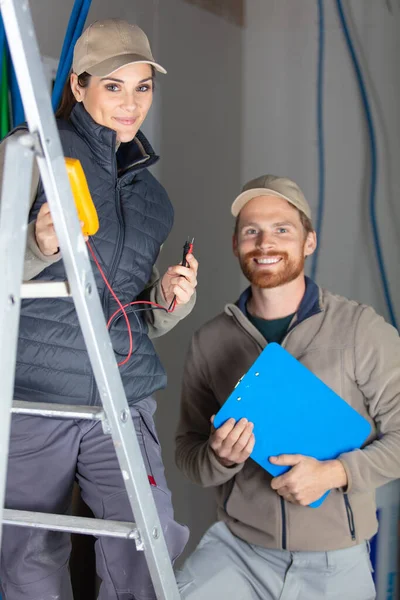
(132, 156)
(310, 305)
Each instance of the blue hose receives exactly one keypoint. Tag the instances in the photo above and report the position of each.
(18, 114)
(75, 27)
(320, 129)
(2, 40)
(65, 66)
(374, 163)
(16, 102)
(72, 23)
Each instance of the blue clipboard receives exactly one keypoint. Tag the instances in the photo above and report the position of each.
(293, 412)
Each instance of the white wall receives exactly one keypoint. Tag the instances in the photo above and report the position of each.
(280, 133)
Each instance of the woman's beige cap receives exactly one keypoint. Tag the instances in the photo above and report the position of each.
(108, 45)
(270, 185)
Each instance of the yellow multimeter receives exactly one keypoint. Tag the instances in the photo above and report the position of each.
(83, 200)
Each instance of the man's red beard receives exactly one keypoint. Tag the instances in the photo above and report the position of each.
(287, 269)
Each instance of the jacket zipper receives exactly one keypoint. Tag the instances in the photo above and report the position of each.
(350, 517)
(283, 513)
(282, 501)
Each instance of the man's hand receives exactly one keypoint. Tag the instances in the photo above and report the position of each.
(308, 479)
(233, 442)
(45, 234)
(180, 281)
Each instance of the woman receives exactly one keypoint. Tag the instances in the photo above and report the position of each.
(104, 104)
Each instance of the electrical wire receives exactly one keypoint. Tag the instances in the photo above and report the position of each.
(18, 113)
(69, 34)
(320, 133)
(74, 31)
(121, 308)
(374, 161)
(154, 306)
(4, 97)
(2, 41)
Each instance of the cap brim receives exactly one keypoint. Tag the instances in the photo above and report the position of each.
(248, 195)
(109, 66)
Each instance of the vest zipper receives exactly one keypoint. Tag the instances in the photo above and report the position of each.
(118, 248)
(350, 517)
(105, 300)
(283, 513)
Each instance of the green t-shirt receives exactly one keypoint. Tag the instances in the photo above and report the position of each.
(273, 330)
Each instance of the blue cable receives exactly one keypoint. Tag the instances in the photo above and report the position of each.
(320, 129)
(16, 102)
(72, 23)
(2, 40)
(66, 65)
(18, 113)
(374, 163)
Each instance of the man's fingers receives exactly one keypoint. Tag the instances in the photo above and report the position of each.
(233, 444)
(279, 482)
(283, 491)
(234, 435)
(290, 498)
(248, 449)
(243, 447)
(228, 434)
(288, 494)
(243, 438)
(222, 432)
(286, 460)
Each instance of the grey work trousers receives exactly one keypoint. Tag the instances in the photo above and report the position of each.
(225, 567)
(46, 456)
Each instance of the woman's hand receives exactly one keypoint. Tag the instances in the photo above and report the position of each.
(45, 233)
(180, 281)
(46, 237)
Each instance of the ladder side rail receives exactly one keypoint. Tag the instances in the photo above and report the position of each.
(17, 178)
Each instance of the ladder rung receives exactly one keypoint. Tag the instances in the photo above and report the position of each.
(87, 526)
(45, 289)
(60, 411)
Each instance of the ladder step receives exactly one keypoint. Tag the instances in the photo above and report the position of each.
(45, 289)
(87, 526)
(60, 411)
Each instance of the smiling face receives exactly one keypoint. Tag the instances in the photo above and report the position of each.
(271, 242)
(119, 101)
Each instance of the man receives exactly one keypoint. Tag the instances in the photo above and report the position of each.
(268, 543)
